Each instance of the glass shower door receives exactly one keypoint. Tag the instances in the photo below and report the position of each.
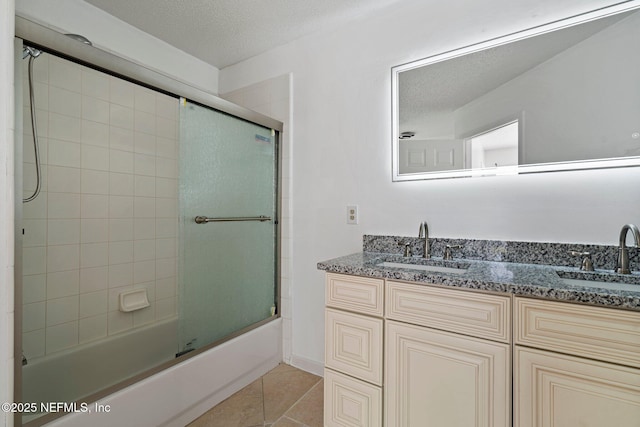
(228, 174)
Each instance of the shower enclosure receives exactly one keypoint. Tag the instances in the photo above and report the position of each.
(149, 228)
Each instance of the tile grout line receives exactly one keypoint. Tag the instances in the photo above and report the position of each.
(298, 401)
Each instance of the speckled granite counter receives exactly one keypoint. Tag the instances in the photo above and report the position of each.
(533, 280)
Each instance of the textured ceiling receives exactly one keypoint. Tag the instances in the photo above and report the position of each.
(224, 32)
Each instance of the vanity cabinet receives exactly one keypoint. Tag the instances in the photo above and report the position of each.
(446, 355)
(575, 365)
(353, 351)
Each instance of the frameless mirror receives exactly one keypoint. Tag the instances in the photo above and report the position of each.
(562, 96)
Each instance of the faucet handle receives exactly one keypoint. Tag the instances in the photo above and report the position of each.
(587, 263)
(421, 231)
(407, 248)
(447, 251)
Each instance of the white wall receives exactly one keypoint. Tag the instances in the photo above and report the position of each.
(342, 143)
(6, 206)
(120, 38)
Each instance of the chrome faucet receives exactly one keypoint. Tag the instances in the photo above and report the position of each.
(423, 233)
(623, 252)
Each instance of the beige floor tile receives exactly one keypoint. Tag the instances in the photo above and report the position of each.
(287, 422)
(243, 409)
(309, 409)
(283, 387)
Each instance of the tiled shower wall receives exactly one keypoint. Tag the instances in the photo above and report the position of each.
(106, 219)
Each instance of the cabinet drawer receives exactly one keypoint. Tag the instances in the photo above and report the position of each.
(360, 294)
(469, 313)
(594, 332)
(354, 345)
(349, 402)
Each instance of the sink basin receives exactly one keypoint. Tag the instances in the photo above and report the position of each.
(423, 267)
(615, 286)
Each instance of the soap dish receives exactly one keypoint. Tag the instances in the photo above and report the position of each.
(133, 300)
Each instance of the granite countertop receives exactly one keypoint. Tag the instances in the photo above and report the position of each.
(533, 280)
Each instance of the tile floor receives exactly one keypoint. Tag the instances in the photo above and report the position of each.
(283, 397)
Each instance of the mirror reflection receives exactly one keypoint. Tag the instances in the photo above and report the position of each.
(567, 97)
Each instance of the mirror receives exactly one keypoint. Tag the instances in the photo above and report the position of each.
(564, 96)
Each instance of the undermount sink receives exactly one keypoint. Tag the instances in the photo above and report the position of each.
(424, 267)
(617, 286)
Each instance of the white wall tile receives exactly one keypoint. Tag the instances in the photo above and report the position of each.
(166, 248)
(63, 284)
(95, 84)
(165, 268)
(145, 100)
(33, 316)
(33, 344)
(144, 316)
(34, 260)
(166, 227)
(167, 129)
(92, 328)
(64, 101)
(121, 116)
(65, 128)
(166, 168)
(35, 232)
(93, 304)
(94, 206)
(62, 310)
(62, 336)
(145, 122)
(120, 139)
(63, 205)
(144, 271)
(144, 229)
(144, 207)
(120, 206)
(120, 275)
(120, 161)
(64, 179)
(94, 182)
(94, 255)
(120, 229)
(144, 250)
(63, 153)
(94, 157)
(145, 165)
(145, 186)
(94, 230)
(166, 288)
(121, 92)
(95, 110)
(94, 133)
(166, 148)
(63, 231)
(166, 208)
(120, 184)
(62, 258)
(93, 279)
(34, 288)
(166, 106)
(121, 252)
(114, 297)
(167, 187)
(144, 143)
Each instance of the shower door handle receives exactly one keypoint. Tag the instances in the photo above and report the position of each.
(204, 219)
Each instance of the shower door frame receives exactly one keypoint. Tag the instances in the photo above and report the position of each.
(53, 42)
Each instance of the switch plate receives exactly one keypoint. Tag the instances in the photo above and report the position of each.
(352, 214)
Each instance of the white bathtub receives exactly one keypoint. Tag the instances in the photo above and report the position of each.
(177, 395)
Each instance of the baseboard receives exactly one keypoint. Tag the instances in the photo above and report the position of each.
(308, 365)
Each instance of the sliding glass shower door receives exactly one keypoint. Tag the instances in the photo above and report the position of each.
(228, 255)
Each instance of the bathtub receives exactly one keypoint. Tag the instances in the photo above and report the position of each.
(172, 397)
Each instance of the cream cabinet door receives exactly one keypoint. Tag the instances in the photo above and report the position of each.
(555, 390)
(436, 379)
